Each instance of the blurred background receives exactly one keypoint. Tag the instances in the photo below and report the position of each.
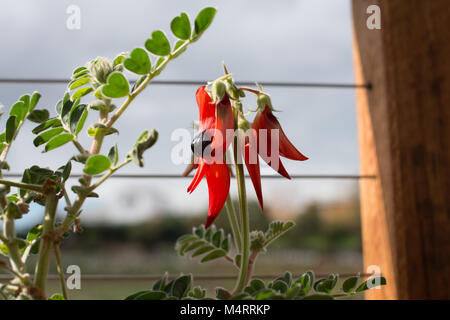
(132, 227)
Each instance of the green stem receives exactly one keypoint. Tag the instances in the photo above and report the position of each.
(244, 220)
(108, 174)
(233, 223)
(60, 271)
(47, 241)
(26, 186)
(9, 239)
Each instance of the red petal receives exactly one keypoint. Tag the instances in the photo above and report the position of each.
(252, 163)
(224, 125)
(199, 174)
(255, 174)
(260, 123)
(287, 149)
(207, 109)
(218, 178)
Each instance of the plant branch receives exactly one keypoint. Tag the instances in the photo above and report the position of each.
(244, 219)
(47, 241)
(233, 223)
(60, 271)
(108, 174)
(21, 185)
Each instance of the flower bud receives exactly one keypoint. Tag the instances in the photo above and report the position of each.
(243, 124)
(263, 100)
(218, 90)
(100, 68)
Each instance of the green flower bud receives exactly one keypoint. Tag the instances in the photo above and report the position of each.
(243, 124)
(263, 100)
(218, 90)
(100, 68)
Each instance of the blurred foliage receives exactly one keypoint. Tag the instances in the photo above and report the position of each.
(319, 227)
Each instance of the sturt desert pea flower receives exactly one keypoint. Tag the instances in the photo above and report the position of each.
(265, 123)
(209, 146)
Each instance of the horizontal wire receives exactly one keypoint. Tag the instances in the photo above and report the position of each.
(198, 83)
(125, 277)
(178, 176)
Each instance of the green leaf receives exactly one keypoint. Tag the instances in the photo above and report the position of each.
(222, 293)
(134, 295)
(256, 285)
(158, 44)
(150, 295)
(39, 116)
(306, 281)
(58, 141)
(202, 250)
(181, 26)
(54, 122)
(34, 232)
(75, 117)
(113, 155)
(277, 229)
(279, 285)
(57, 296)
(19, 111)
(79, 83)
(97, 164)
(325, 285)
(46, 136)
(264, 294)
(349, 284)
(371, 283)
(226, 243)
(161, 283)
(218, 253)
(35, 97)
(144, 142)
(117, 86)
(26, 100)
(82, 92)
(217, 238)
(203, 21)
(138, 62)
(181, 286)
(10, 129)
(318, 297)
(194, 245)
(65, 110)
(64, 171)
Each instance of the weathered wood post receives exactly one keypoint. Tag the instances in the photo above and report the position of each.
(404, 139)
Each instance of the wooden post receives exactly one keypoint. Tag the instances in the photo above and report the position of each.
(404, 138)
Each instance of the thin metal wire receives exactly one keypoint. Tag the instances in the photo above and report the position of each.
(198, 83)
(178, 176)
(143, 277)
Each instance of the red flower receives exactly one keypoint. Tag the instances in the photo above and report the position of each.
(209, 146)
(264, 124)
(249, 150)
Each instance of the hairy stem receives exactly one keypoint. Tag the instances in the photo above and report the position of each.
(244, 220)
(47, 241)
(26, 186)
(60, 271)
(9, 239)
(251, 264)
(233, 223)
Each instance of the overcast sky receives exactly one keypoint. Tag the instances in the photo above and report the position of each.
(307, 40)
